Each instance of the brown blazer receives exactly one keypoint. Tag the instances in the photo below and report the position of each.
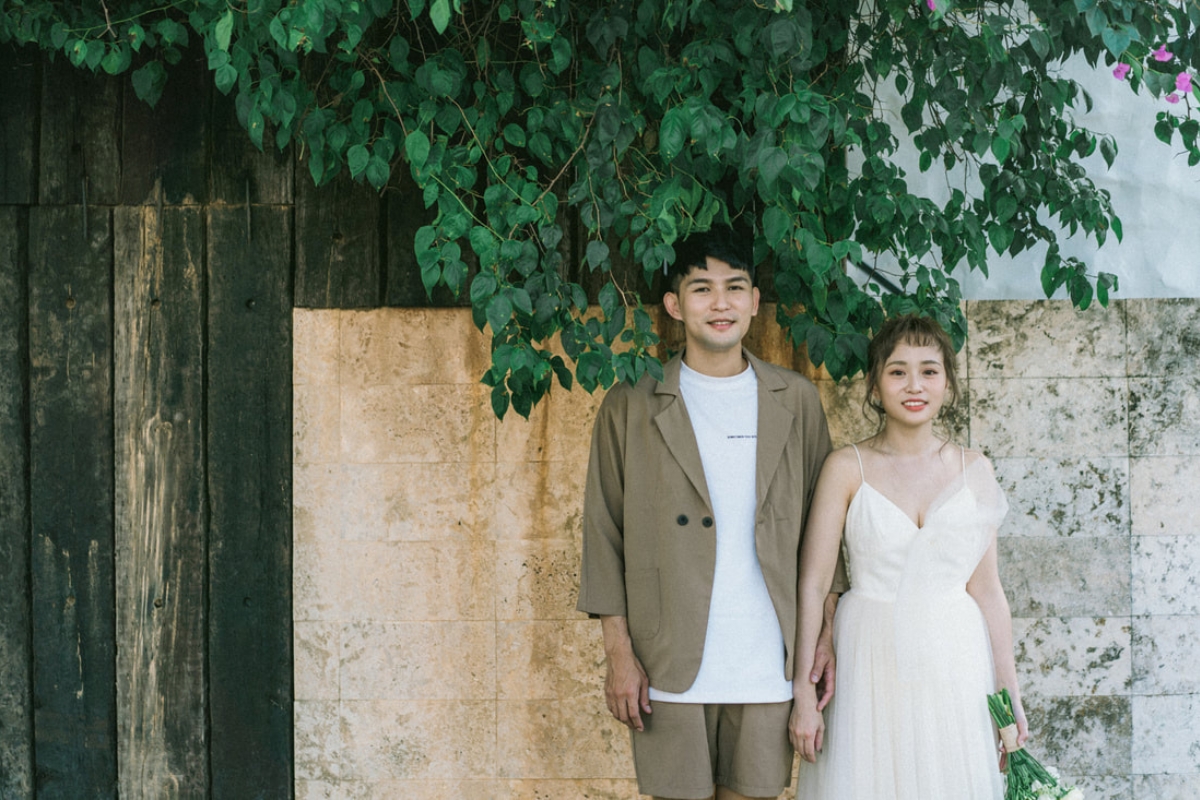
(649, 541)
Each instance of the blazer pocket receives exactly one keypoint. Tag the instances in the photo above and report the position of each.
(642, 603)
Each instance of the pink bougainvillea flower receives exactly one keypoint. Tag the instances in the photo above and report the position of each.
(1163, 54)
(932, 5)
(1121, 71)
(1183, 82)
(1172, 98)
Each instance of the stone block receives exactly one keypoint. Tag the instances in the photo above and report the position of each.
(1044, 339)
(315, 335)
(316, 424)
(394, 502)
(1066, 577)
(1049, 417)
(318, 653)
(1164, 336)
(1059, 657)
(1101, 787)
(564, 738)
(592, 789)
(411, 347)
(1166, 734)
(450, 424)
(1162, 490)
(418, 660)
(1065, 496)
(1165, 570)
(394, 581)
(1081, 735)
(1166, 787)
(318, 738)
(1164, 416)
(1166, 652)
(558, 429)
(537, 579)
(539, 499)
(391, 740)
(549, 659)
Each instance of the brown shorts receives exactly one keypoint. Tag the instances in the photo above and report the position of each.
(688, 749)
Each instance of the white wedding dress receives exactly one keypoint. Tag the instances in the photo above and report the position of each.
(909, 719)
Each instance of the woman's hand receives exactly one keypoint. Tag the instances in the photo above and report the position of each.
(1022, 731)
(806, 727)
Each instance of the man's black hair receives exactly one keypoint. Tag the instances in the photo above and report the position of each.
(720, 243)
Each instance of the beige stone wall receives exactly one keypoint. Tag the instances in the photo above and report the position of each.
(437, 650)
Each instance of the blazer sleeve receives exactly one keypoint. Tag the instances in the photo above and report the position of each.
(602, 567)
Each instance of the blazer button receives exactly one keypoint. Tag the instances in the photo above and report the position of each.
(706, 522)
(681, 519)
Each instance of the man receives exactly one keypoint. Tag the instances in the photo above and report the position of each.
(696, 495)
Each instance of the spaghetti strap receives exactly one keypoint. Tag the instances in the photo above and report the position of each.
(962, 450)
(858, 455)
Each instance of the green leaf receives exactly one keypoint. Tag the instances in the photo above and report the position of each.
(148, 82)
(378, 172)
(416, 147)
(499, 312)
(1116, 40)
(514, 135)
(356, 159)
(223, 30)
(439, 15)
(771, 162)
(597, 253)
(776, 225)
(672, 132)
(1001, 148)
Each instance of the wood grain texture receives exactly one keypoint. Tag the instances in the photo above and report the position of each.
(18, 124)
(71, 503)
(79, 137)
(16, 700)
(163, 149)
(158, 297)
(337, 244)
(249, 438)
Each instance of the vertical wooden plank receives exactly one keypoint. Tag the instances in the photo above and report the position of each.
(406, 213)
(240, 170)
(249, 375)
(71, 503)
(16, 701)
(337, 244)
(163, 149)
(159, 502)
(18, 124)
(80, 136)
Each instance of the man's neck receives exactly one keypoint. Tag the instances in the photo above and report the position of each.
(715, 365)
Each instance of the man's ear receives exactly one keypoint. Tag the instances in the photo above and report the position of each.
(757, 296)
(671, 304)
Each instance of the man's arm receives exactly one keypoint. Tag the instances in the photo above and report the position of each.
(626, 685)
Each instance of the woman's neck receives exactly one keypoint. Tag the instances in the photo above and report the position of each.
(902, 441)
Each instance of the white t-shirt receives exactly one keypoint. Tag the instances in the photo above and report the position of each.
(743, 648)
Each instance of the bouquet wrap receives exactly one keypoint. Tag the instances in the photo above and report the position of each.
(1026, 778)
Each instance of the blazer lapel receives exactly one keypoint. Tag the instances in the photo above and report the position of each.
(676, 429)
(774, 426)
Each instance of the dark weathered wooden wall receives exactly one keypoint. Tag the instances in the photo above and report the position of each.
(149, 263)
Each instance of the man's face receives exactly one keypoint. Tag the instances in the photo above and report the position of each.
(715, 306)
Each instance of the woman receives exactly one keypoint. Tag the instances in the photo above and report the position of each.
(924, 634)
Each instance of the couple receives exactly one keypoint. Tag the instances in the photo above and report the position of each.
(718, 622)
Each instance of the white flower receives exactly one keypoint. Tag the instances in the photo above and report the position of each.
(1075, 794)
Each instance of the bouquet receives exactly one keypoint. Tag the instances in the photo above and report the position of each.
(1027, 779)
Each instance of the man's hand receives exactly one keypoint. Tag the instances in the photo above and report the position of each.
(824, 671)
(626, 685)
(627, 689)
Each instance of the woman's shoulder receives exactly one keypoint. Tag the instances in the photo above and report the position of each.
(844, 461)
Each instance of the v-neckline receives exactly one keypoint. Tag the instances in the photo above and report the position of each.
(934, 506)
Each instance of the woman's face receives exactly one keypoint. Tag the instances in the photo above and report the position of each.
(912, 385)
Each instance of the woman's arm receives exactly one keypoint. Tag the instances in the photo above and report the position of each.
(985, 587)
(818, 556)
